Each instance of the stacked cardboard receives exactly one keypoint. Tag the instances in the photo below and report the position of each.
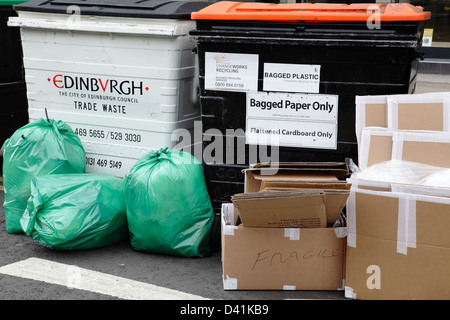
(285, 232)
(398, 244)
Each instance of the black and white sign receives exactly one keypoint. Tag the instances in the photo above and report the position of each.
(294, 120)
(291, 77)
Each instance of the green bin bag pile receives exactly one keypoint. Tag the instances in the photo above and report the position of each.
(76, 211)
(39, 148)
(168, 206)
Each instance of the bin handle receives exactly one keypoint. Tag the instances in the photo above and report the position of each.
(195, 82)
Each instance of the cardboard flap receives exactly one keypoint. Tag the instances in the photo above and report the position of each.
(337, 169)
(270, 185)
(304, 209)
(296, 176)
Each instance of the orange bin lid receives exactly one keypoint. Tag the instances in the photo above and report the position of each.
(311, 12)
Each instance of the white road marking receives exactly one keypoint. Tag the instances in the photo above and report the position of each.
(85, 279)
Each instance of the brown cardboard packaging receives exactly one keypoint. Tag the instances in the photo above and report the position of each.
(430, 148)
(281, 258)
(280, 209)
(425, 111)
(398, 246)
(425, 147)
(370, 111)
(376, 147)
(415, 112)
(326, 176)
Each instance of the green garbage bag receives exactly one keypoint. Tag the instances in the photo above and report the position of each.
(76, 211)
(168, 206)
(39, 148)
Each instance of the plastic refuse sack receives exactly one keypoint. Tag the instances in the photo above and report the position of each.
(39, 148)
(168, 207)
(76, 211)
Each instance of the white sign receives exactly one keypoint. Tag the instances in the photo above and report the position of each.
(291, 134)
(94, 94)
(312, 107)
(291, 77)
(292, 120)
(231, 71)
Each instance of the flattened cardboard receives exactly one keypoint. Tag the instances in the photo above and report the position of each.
(301, 209)
(336, 193)
(280, 258)
(336, 169)
(305, 174)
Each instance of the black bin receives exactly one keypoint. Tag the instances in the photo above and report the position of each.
(14, 106)
(360, 49)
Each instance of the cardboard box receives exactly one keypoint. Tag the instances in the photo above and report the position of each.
(398, 246)
(370, 111)
(431, 148)
(281, 209)
(375, 147)
(427, 111)
(425, 147)
(416, 112)
(281, 258)
(326, 176)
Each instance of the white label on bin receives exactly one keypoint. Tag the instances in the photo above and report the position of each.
(292, 120)
(231, 71)
(97, 94)
(291, 77)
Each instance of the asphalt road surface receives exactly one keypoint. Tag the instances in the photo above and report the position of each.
(29, 271)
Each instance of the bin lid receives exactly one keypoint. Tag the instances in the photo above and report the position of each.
(311, 12)
(162, 9)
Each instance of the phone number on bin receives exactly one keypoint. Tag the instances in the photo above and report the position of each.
(110, 135)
